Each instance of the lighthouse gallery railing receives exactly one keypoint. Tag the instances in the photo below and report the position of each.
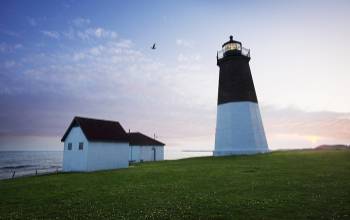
(244, 52)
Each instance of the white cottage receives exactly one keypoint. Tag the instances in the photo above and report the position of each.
(144, 148)
(92, 144)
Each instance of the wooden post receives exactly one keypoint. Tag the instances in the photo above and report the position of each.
(13, 174)
(36, 172)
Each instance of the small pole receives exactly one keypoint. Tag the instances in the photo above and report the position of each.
(56, 170)
(13, 174)
(36, 172)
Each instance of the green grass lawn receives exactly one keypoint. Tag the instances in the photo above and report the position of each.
(278, 185)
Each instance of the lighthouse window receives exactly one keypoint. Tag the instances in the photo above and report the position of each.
(232, 46)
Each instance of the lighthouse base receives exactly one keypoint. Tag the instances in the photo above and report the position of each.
(239, 129)
(226, 153)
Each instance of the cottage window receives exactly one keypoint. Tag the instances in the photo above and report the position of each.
(81, 146)
(69, 146)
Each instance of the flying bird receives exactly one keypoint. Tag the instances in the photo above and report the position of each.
(154, 46)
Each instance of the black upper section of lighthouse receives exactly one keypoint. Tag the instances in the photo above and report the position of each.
(235, 79)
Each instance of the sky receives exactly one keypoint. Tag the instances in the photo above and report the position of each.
(60, 59)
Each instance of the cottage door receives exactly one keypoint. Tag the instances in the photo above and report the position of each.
(154, 154)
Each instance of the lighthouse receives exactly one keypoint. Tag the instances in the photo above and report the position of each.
(239, 128)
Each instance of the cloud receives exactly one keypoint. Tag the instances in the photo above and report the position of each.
(96, 33)
(32, 22)
(5, 47)
(70, 33)
(78, 56)
(9, 63)
(108, 79)
(66, 5)
(188, 63)
(51, 34)
(96, 51)
(18, 46)
(184, 43)
(10, 33)
(125, 43)
(188, 58)
(80, 30)
(311, 126)
(80, 22)
(96, 67)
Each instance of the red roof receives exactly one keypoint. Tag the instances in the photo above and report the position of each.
(139, 139)
(98, 130)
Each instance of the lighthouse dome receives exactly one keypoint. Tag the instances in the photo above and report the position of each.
(232, 45)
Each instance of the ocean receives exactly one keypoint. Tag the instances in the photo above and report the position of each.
(25, 163)
(29, 162)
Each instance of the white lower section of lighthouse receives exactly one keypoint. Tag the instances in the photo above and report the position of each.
(239, 129)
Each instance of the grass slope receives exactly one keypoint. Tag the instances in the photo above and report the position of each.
(279, 185)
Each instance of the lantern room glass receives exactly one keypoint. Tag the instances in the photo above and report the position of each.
(232, 46)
